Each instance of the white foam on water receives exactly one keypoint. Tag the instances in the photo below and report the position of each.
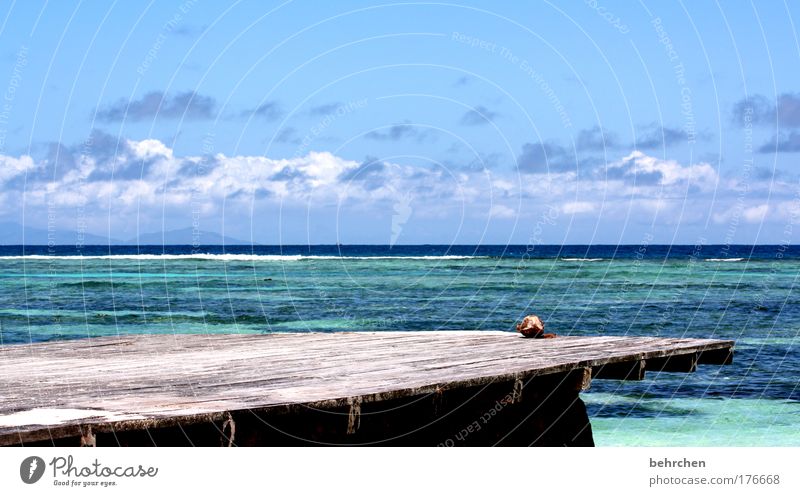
(229, 257)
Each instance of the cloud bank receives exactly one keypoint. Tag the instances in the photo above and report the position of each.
(130, 181)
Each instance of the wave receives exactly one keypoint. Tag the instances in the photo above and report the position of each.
(233, 257)
(582, 259)
(724, 259)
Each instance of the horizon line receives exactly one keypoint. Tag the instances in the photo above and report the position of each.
(395, 245)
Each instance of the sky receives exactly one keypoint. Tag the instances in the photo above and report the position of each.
(309, 122)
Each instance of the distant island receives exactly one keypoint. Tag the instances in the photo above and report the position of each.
(12, 233)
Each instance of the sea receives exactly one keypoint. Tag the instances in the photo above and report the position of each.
(745, 293)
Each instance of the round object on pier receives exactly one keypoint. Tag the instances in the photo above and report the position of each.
(533, 327)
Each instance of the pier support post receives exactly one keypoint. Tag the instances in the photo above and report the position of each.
(354, 416)
(676, 363)
(87, 438)
(623, 371)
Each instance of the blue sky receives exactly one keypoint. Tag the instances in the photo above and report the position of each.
(362, 122)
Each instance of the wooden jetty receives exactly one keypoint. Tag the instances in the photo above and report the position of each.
(356, 388)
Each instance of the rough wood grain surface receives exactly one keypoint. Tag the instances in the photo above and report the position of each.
(56, 389)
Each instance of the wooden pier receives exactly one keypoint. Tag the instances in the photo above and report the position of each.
(447, 388)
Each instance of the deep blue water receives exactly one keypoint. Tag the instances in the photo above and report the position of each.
(745, 293)
(649, 252)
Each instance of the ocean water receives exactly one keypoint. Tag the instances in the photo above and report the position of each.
(744, 293)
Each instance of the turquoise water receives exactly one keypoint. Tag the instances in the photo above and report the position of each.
(695, 421)
(751, 299)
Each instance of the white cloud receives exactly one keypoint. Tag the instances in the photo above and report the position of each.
(502, 212)
(580, 207)
(644, 169)
(11, 167)
(755, 214)
(149, 148)
(789, 210)
(504, 186)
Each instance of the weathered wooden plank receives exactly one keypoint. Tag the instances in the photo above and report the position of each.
(157, 380)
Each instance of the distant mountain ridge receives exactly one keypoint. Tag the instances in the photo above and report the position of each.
(186, 236)
(12, 233)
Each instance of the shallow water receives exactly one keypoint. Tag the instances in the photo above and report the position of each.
(744, 293)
